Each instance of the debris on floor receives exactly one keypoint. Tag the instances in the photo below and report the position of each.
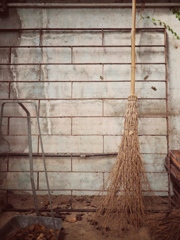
(35, 231)
(77, 224)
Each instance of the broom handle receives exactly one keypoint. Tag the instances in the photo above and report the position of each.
(133, 64)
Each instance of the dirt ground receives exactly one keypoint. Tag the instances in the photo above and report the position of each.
(77, 225)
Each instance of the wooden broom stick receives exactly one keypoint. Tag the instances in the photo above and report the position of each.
(133, 64)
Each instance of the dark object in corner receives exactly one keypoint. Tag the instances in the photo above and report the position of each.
(4, 11)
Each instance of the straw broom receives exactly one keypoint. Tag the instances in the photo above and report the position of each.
(124, 203)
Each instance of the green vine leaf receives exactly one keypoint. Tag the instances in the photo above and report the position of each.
(161, 23)
(176, 12)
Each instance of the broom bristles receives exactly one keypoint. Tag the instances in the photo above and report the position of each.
(165, 227)
(124, 203)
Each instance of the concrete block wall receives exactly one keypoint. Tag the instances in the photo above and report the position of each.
(81, 94)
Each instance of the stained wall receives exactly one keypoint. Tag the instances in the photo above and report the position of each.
(81, 96)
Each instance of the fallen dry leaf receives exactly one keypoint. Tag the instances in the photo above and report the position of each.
(36, 231)
(71, 219)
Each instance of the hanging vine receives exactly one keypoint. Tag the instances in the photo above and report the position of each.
(176, 12)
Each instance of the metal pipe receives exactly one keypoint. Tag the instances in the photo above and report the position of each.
(89, 63)
(78, 46)
(92, 5)
(59, 155)
(30, 149)
(45, 169)
(81, 29)
(31, 156)
(56, 210)
(70, 210)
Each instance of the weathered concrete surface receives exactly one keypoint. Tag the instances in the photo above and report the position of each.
(82, 106)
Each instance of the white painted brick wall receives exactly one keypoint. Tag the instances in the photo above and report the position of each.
(74, 72)
(4, 90)
(97, 126)
(73, 144)
(77, 181)
(18, 180)
(145, 108)
(29, 38)
(158, 181)
(21, 164)
(115, 125)
(156, 56)
(57, 38)
(123, 72)
(4, 52)
(158, 126)
(101, 55)
(153, 144)
(93, 164)
(82, 106)
(66, 108)
(25, 73)
(154, 162)
(4, 128)
(148, 144)
(122, 38)
(12, 108)
(117, 89)
(63, 55)
(34, 90)
(3, 168)
(152, 107)
(60, 126)
(19, 143)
